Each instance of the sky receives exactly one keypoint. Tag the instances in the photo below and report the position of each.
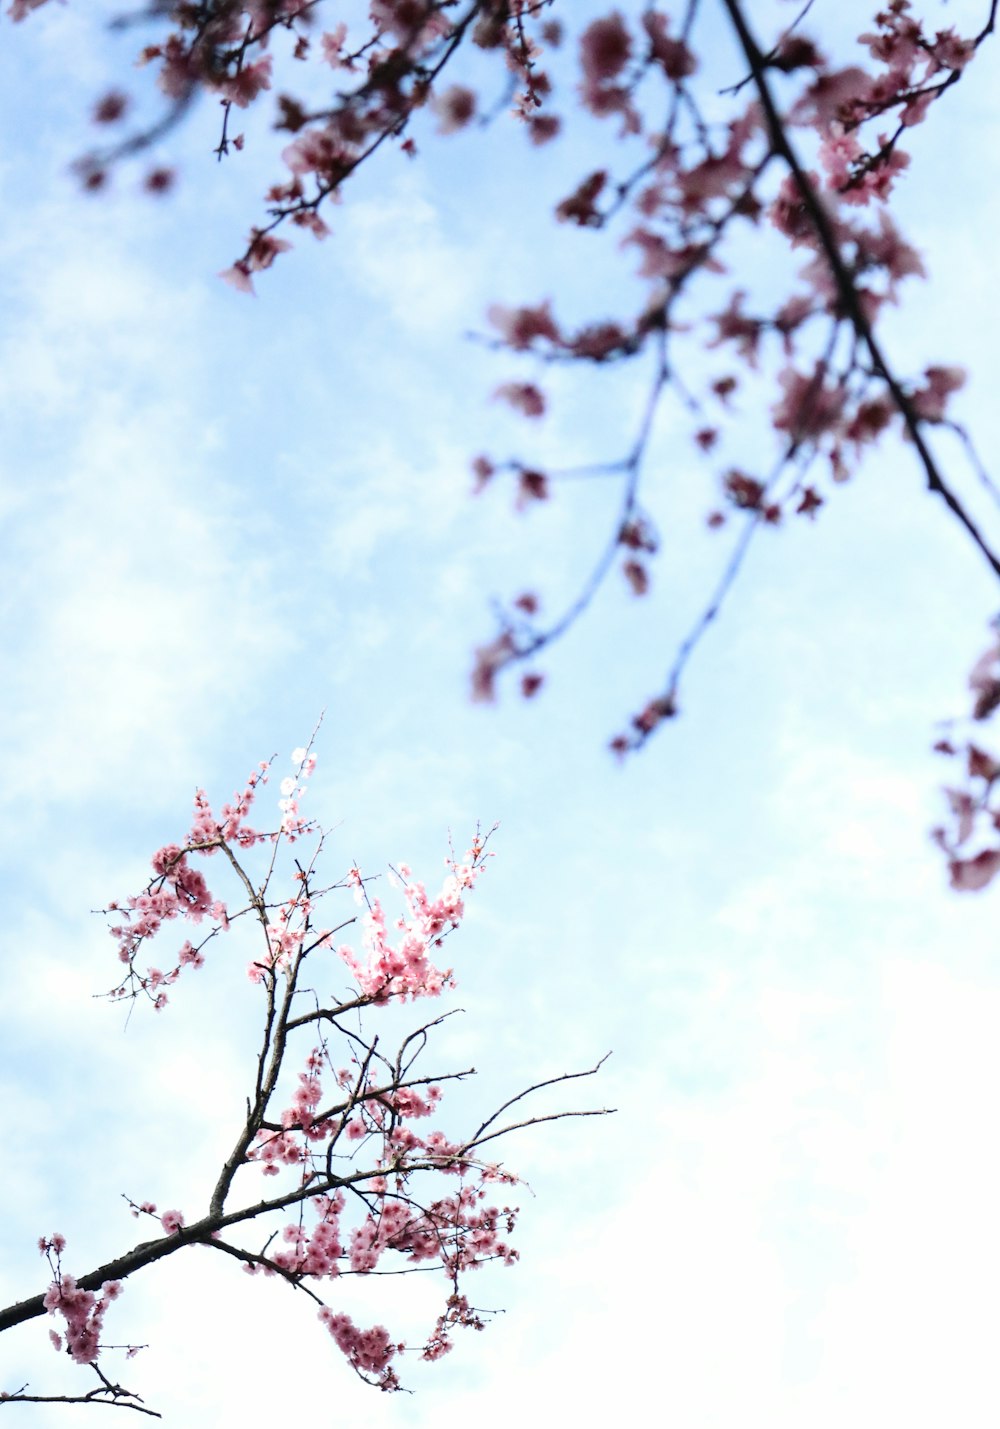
(224, 516)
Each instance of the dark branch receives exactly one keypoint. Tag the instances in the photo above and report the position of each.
(846, 289)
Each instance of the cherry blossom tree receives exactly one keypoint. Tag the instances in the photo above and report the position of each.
(338, 1168)
(798, 158)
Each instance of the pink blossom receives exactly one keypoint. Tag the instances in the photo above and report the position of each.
(733, 325)
(609, 99)
(520, 327)
(580, 206)
(20, 9)
(403, 969)
(83, 1313)
(159, 180)
(413, 22)
(964, 809)
(532, 486)
(332, 44)
(319, 151)
(968, 875)
(984, 681)
(950, 51)
(524, 397)
(490, 659)
(264, 248)
(238, 277)
(789, 214)
(482, 470)
(744, 491)
(714, 177)
(839, 153)
(929, 401)
(915, 109)
(661, 260)
(598, 341)
(811, 405)
(605, 47)
(110, 107)
(542, 128)
(876, 178)
(637, 576)
(982, 765)
(869, 420)
(177, 74)
(898, 40)
(675, 57)
(366, 1349)
(884, 247)
(243, 88)
(455, 108)
(637, 534)
(834, 96)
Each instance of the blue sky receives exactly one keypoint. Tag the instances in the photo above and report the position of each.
(223, 516)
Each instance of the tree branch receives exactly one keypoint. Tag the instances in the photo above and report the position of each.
(846, 290)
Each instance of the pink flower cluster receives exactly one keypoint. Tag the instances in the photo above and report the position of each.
(292, 790)
(300, 1122)
(389, 67)
(813, 158)
(365, 1135)
(261, 252)
(974, 805)
(460, 1231)
(693, 186)
(20, 9)
(403, 969)
(82, 1311)
(369, 1351)
(287, 930)
(178, 890)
